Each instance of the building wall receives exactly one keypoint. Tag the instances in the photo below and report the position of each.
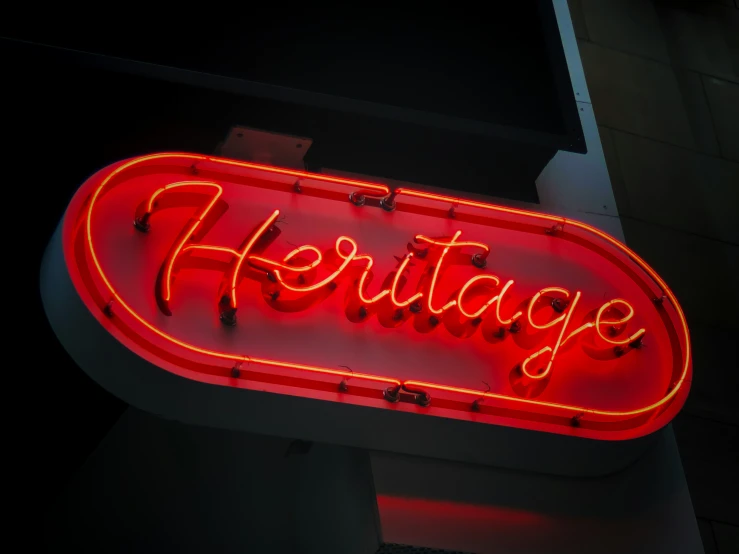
(663, 78)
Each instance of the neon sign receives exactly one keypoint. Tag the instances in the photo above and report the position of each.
(250, 275)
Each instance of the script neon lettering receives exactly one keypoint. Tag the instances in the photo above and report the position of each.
(288, 274)
(552, 350)
(396, 279)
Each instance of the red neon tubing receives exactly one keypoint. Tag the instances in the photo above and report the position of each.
(411, 383)
(618, 245)
(173, 340)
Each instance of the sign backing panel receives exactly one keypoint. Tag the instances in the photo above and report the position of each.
(276, 280)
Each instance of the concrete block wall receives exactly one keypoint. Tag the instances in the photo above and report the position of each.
(663, 77)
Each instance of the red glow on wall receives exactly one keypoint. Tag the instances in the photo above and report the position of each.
(417, 302)
(434, 510)
(454, 525)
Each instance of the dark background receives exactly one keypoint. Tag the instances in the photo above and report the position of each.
(495, 71)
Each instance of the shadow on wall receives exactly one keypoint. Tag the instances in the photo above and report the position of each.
(476, 509)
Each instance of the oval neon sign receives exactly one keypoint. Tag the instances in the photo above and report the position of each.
(255, 277)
